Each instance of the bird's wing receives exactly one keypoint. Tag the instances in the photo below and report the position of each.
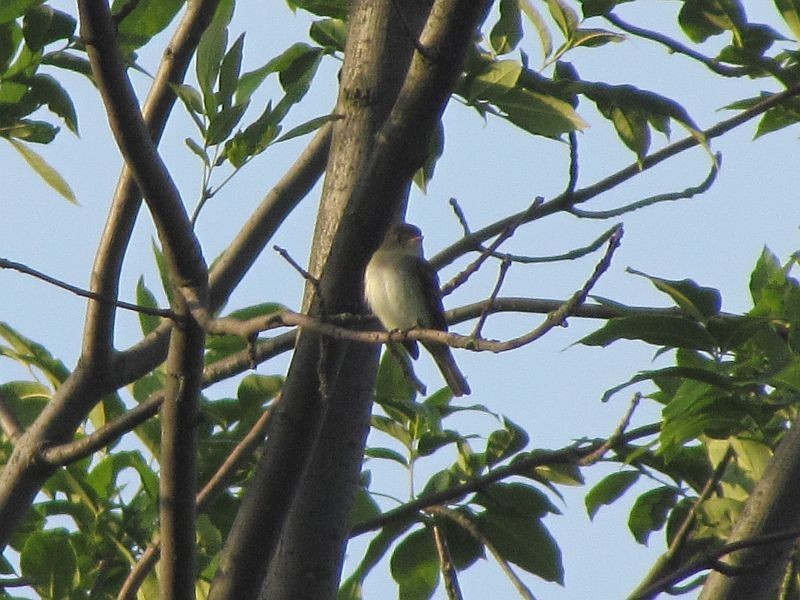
(432, 293)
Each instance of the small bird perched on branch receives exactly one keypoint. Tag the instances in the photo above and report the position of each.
(402, 289)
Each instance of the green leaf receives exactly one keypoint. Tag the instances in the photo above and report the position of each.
(229, 72)
(249, 82)
(222, 124)
(146, 20)
(695, 301)
(492, 80)
(386, 453)
(104, 476)
(415, 566)
(50, 561)
(506, 442)
(525, 542)
(701, 19)
(540, 114)
(35, 132)
(660, 330)
(535, 17)
(594, 8)
(197, 150)
(516, 498)
(68, 61)
(210, 52)
(431, 441)
(331, 34)
(12, 9)
(26, 399)
(48, 91)
(44, 24)
(649, 512)
(564, 16)
(790, 11)
(258, 389)
(163, 271)
(392, 389)
(351, 589)
(337, 9)
(50, 176)
(507, 32)
(435, 150)
(10, 40)
(767, 272)
(307, 127)
(608, 490)
(364, 507)
(144, 297)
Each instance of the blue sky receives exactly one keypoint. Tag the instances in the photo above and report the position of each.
(551, 388)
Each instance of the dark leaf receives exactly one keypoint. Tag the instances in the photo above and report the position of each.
(415, 566)
(675, 332)
(608, 490)
(44, 24)
(649, 512)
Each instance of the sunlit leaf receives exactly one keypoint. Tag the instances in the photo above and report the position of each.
(50, 176)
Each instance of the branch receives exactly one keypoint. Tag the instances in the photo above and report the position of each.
(179, 242)
(64, 454)
(711, 560)
(565, 200)
(676, 47)
(670, 197)
(475, 532)
(571, 455)
(145, 310)
(615, 436)
(449, 572)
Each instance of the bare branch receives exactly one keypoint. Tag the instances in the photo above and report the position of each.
(675, 46)
(449, 573)
(669, 197)
(65, 454)
(564, 201)
(614, 437)
(475, 532)
(179, 242)
(507, 232)
(145, 310)
(501, 275)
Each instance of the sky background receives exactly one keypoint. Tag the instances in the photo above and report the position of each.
(551, 388)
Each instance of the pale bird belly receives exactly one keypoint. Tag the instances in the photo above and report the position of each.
(384, 293)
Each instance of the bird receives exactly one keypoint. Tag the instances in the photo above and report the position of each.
(402, 290)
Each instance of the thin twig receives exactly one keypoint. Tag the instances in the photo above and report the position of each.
(658, 198)
(449, 573)
(614, 437)
(563, 201)
(296, 266)
(675, 46)
(145, 310)
(501, 275)
(475, 532)
(571, 255)
(507, 232)
(572, 182)
(462, 218)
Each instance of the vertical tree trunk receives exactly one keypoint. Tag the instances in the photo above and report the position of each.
(773, 506)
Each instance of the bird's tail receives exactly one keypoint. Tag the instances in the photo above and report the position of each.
(449, 369)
